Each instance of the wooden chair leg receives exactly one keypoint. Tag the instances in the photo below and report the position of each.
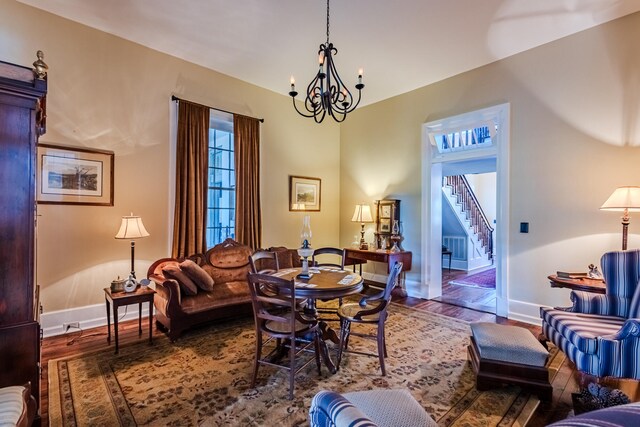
(346, 340)
(316, 345)
(256, 362)
(344, 335)
(384, 340)
(292, 366)
(381, 348)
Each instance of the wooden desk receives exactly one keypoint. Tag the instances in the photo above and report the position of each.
(118, 299)
(582, 284)
(387, 257)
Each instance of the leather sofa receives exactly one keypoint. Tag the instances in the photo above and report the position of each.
(227, 264)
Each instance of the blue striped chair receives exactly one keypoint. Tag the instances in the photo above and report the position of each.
(616, 416)
(600, 333)
(369, 408)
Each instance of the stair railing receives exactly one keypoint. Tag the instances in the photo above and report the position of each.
(472, 209)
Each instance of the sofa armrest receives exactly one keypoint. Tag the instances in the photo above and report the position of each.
(167, 298)
(602, 304)
(152, 268)
(329, 408)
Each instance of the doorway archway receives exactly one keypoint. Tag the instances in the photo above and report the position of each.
(449, 142)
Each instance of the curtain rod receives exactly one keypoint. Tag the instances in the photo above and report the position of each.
(175, 98)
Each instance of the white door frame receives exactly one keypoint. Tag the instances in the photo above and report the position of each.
(432, 166)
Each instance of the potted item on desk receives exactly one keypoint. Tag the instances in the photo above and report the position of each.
(594, 273)
(117, 285)
(130, 285)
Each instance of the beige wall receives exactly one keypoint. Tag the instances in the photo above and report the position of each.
(108, 93)
(484, 187)
(575, 133)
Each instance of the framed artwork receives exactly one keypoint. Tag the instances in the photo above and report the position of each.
(388, 210)
(304, 193)
(74, 175)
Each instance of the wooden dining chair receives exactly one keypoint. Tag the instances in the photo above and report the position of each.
(319, 259)
(373, 310)
(328, 251)
(264, 262)
(277, 317)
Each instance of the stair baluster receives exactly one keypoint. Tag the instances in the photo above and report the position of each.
(473, 211)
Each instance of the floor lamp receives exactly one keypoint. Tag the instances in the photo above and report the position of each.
(132, 228)
(624, 199)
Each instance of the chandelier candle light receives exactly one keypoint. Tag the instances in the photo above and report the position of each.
(624, 199)
(327, 93)
(362, 214)
(132, 228)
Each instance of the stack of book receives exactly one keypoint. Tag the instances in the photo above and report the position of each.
(567, 275)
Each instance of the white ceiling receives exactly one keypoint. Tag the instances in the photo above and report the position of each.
(402, 45)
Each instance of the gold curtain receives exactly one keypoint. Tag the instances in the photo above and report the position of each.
(192, 149)
(246, 132)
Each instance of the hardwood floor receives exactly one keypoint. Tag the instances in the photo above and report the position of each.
(567, 381)
(466, 296)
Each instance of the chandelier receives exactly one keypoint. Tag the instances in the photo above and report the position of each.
(327, 94)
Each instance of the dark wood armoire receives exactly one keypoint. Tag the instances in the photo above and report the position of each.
(22, 115)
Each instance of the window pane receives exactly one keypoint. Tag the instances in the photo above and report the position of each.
(221, 192)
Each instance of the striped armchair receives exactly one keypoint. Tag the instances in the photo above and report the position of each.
(369, 408)
(601, 333)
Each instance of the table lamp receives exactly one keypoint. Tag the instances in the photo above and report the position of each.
(305, 250)
(362, 214)
(624, 199)
(132, 228)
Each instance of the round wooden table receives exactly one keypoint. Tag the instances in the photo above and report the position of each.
(325, 283)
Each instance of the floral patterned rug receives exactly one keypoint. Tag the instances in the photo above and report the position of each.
(203, 379)
(485, 279)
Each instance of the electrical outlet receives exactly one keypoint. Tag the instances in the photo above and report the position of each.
(67, 326)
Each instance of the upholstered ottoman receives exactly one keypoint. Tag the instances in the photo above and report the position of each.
(509, 355)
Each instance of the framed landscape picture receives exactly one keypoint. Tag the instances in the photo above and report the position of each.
(304, 193)
(74, 175)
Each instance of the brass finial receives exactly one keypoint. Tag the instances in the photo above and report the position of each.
(39, 66)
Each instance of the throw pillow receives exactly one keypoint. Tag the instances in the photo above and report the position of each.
(186, 284)
(200, 277)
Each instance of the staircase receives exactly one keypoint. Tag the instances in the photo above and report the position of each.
(479, 250)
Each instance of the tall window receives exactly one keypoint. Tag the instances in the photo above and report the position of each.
(221, 199)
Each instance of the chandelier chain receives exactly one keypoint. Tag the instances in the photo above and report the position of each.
(327, 22)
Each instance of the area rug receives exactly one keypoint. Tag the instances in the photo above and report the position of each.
(203, 379)
(485, 280)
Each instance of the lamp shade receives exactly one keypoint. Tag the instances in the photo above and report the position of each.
(131, 227)
(623, 198)
(362, 213)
